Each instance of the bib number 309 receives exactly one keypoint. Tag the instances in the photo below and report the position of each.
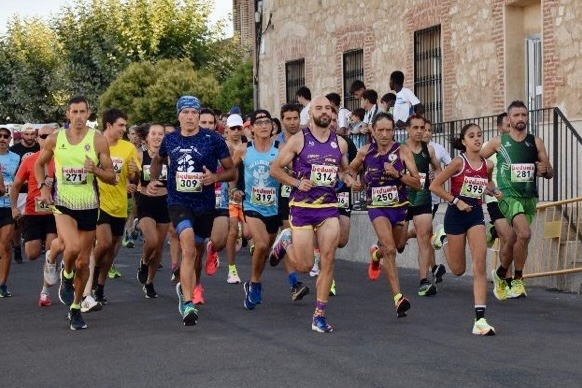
(189, 182)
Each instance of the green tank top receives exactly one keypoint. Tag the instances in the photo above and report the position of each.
(516, 169)
(75, 188)
(422, 196)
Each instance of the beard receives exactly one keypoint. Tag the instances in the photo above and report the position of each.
(520, 126)
(322, 121)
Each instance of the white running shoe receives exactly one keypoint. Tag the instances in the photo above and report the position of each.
(51, 276)
(88, 305)
(233, 278)
(315, 270)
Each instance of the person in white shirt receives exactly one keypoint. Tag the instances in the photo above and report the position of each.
(369, 101)
(442, 155)
(406, 104)
(343, 114)
(303, 95)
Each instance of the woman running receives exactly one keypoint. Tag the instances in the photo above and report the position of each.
(470, 178)
(152, 213)
(384, 163)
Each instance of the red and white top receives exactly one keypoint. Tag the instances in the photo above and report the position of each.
(469, 184)
(26, 173)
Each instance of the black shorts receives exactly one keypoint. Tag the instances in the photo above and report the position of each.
(284, 208)
(418, 210)
(37, 227)
(494, 211)
(117, 224)
(6, 216)
(345, 210)
(222, 212)
(201, 222)
(272, 223)
(86, 219)
(435, 207)
(155, 208)
(458, 222)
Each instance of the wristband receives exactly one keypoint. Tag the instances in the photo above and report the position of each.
(454, 201)
(400, 175)
(298, 183)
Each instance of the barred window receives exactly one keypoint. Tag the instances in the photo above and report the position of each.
(353, 62)
(295, 78)
(428, 72)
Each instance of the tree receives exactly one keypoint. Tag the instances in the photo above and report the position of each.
(238, 89)
(148, 92)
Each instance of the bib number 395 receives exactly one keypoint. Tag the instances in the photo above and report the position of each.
(473, 187)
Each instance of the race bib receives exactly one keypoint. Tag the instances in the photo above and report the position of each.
(285, 191)
(523, 172)
(263, 196)
(343, 199)
(40, 207)
(7, 186)
(384, 196)
(323, 175)
(422, 179)
(189, 182)
(74, 176)
(218, 195)
(147, 176)
(117, 164)
(473, 187)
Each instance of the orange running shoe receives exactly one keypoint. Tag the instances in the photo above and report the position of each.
(198, 295)
(374, 268)
(212, 261)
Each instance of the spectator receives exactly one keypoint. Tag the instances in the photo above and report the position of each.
(387, 103)
(369, 101)
(276, 127)
(303, 95)
(343, 115)
(357, 89)
(406, 102)
(357, 121)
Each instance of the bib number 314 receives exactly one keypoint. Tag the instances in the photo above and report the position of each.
(323, 175)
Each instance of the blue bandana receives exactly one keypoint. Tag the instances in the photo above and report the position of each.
(187, 102)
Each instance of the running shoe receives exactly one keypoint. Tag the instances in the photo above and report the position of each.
(149, 291)
(278, 249)
(488, 232)
(320, 325)
(113, 272)
(299, 291)
(427, 289)
(315, 270)
(51, 276)
(238, 244)
(100, 295)
(66, 290)
(374, 268)
(190, 315)
(134, 232)
(198, 295)
(481, 327)
(89, 305)
(517, 289)
(252, 249)
(248, 302)
(436, 239)
(44, 300)
(212, 261)
(127, 241)
(233, 277)
(437, 273)
(76, 320)
(4, 293)
(402, 306)
(142, 272)
(332, 290)
(500, 287)
(181, 305)
(175, 276)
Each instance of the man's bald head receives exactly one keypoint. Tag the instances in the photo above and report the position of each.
(320, 111)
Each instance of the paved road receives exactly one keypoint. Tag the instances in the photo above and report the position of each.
(138, 342)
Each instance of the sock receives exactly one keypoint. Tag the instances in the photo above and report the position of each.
(76, 306)
(480, 311)
(45, 291)
(518, 274)
(292, 277)
(68, 275)
(502, 272)
(232, 268)
(444, 240)
(397, 297)
(253, 284)
(188, 303)
(375, 255)
(319, 309)
(424, 281)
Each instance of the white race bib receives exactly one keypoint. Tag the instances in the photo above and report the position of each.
(384, 196)
(218, 195)
(74, 176)
(343, 199)
(263, 196)
(473, 187)
(40, 207)
(285, 191)
(189, 182)
(7, 186)
(422, 179)
(523, 172)
(323, 175)
(147, 176)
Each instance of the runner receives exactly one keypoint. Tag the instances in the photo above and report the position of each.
(8, 165)
(80, 155)
(384, 162)
(470, 176)
(521, 158)
(39, 221)
(152, 212)
(193, 154)
(113, 199)
(318, 157)
(130, 234)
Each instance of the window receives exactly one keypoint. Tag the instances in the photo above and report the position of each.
(428, 72)
(295, 76)
(353, 71)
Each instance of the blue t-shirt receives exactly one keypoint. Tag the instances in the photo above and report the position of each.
(9, 163)
(186, 157)
(261, 189)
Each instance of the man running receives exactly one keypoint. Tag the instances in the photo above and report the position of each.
(80, 155)
(193, 155)
(521, 157)
(318, 157)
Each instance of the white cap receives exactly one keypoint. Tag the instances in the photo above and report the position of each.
(234, 121)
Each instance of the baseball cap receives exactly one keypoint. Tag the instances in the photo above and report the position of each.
(5, 129)
(234, 121)
(235, 110)
(27, 126)
(259, 112)
(185, 102)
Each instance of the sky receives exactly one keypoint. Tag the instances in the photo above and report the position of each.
(43, 8)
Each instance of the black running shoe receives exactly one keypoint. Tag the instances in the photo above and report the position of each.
(142, 273)
(100, 295)
(76, 320)
(176, 276)
(438, 272)
(299, 291)
(150, 292)
(95, 278)
(66, 290)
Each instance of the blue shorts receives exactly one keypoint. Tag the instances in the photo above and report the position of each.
(458, 222)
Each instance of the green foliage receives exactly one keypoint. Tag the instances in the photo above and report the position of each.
(238, 89)
(148, 92)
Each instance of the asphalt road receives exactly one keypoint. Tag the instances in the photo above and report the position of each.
(137, 342)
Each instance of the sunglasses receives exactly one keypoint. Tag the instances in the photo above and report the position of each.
(263, 122)
(43, 136)
(4, 136)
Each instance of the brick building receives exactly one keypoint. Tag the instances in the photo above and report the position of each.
(462, 58)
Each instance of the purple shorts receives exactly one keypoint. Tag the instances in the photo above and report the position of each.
(396, 215)
(309, 217)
